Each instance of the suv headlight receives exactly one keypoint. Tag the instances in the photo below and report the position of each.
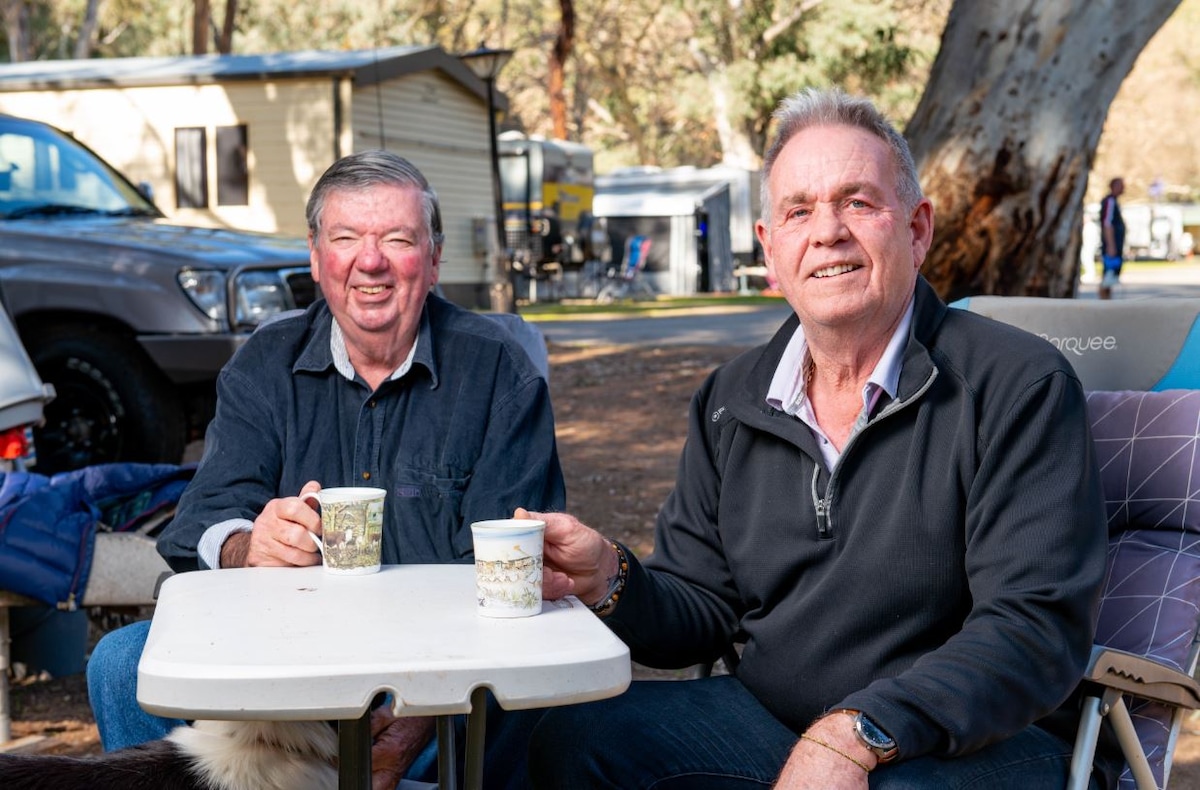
(257, 295)
(260, 295)
(206, 289)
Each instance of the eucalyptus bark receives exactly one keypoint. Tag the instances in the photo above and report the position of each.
(564, 42)
(1006, 133)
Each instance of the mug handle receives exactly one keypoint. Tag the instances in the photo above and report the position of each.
(313, 495)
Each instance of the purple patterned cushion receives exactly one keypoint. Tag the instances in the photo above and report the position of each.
(1146, 443)
(1149, 607)
(1151, 601)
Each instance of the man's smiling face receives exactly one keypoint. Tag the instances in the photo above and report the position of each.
(375, 261)
(839, 241)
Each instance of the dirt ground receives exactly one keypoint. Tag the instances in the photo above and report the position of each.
(621, 417)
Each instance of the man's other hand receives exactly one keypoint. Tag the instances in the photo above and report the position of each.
(577, 559)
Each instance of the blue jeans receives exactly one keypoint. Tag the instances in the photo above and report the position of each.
(112, 691)
(705, 734)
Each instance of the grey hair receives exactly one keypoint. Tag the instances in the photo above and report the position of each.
(832, 107)
(374, 168)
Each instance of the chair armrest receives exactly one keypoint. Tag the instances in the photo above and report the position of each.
(1142, 677)
(126, 570)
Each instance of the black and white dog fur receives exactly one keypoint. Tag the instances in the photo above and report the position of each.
(209, 755)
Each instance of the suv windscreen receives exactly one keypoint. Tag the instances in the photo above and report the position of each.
(43, 173)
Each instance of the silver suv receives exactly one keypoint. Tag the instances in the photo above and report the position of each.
(128, 316)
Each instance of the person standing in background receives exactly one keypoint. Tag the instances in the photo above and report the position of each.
(1112, 234)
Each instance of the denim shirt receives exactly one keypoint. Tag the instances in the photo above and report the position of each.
(466, 434)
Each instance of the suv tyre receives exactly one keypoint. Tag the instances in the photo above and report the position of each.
(112, 404)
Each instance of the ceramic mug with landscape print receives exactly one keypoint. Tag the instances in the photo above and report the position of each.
(508, 566)
(351, 539)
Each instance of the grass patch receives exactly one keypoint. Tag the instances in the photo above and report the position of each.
(1158, 265)
(572, 307)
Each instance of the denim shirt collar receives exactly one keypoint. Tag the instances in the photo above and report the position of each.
(317, 356)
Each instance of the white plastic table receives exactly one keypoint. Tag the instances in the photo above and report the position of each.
(300, 644)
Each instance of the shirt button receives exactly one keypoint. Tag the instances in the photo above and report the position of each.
(366, 475)
(372, 403)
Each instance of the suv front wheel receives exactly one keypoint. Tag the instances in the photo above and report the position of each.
(111, 404)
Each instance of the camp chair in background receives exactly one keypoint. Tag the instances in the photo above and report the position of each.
(1139, 360)
(626, 280)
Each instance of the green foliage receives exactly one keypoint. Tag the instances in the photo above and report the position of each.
(659, 82)
(568, 309)
(739, 60)
(49, 31)
(132, 28)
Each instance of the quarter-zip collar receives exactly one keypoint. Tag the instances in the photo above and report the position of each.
(750, 405)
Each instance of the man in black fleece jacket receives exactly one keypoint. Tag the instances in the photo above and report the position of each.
(894, 504)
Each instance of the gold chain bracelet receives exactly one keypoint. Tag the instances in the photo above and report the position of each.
(836, 750)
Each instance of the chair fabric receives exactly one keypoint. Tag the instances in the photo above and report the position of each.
(1134, 344)
(1147, 446)
(1146, 442)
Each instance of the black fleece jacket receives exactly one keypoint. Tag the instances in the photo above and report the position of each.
(943, 577)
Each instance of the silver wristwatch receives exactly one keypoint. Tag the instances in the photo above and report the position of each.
(872, 736)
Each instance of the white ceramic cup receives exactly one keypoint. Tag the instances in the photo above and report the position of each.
(508, 566)
(351, 539)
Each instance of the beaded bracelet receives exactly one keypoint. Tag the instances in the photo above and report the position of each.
(616, 586)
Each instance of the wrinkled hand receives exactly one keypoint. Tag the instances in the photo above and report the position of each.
(395, 743)
(278, 538)
(577, 559)
(814, 767)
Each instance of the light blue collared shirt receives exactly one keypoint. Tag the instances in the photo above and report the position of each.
(789, 394)
(209, 547)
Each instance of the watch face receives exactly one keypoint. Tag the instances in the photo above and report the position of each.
(874, 736)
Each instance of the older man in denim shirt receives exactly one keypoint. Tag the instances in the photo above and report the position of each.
(380, 383)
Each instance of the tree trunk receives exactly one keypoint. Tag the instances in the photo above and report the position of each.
(225, 37)
(16, 25)
(563, 44)
(87, 31)
(1006, 132)
(201, 17)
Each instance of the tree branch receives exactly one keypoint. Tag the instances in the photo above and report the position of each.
(781, 26)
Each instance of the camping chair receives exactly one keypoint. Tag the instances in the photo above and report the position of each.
(625, 280)
(1140, 362)
(636, 250)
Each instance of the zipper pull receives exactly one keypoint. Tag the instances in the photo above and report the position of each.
(823, 519)
(821, 504)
